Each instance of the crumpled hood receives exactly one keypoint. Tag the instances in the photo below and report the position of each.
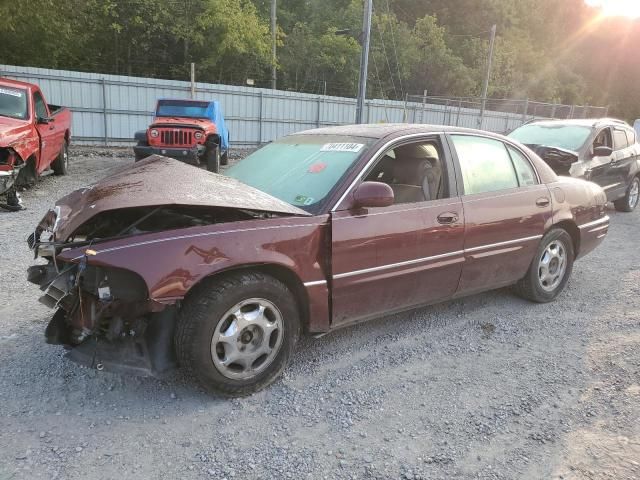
(559, 159)
(157, 181)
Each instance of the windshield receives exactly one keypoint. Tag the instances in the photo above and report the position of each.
(182, 108)
(569, 137)
(301, 169)
(13, 103)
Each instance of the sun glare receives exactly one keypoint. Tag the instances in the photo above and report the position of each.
(617, 8)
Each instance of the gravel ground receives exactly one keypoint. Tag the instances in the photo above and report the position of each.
(490, 386)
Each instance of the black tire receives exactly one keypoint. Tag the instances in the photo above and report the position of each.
(140, 156)
(224, 158)
(629, 202)
(532, 286)
(60, 165)
(212, 157)
(205, 312)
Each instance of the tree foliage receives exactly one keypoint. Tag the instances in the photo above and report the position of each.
(547, 50)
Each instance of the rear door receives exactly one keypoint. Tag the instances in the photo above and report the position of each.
(49, 148)
(506, 211)
(391, 258)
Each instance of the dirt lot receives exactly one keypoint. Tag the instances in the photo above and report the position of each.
(486, 387)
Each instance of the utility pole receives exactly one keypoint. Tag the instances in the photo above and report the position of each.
(364, 60)
(273, 44)
(193, 81)
(485, 88)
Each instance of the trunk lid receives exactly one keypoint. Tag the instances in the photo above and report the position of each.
(159, 181)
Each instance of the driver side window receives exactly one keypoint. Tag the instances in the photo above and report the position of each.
(41, 108)
(603, 139)
(414, 171)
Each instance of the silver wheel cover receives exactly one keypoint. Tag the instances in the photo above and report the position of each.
(247, 339)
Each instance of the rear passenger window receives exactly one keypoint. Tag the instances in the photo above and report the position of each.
(524, 171)
(485, 163)
(619, 140)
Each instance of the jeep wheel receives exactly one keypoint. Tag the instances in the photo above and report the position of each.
(235, 335)
(629, 202)
(140, 156)
(60, 165)
(224, 159)
(212, 157)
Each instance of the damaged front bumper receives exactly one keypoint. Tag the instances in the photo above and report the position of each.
(104, 319)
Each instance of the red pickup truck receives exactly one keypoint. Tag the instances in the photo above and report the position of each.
(34, 136)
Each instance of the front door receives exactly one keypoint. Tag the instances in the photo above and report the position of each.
(391, 258)
(600, 168)
(506, 210)
(47, 131)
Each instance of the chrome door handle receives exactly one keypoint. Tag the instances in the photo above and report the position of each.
(447, 218)
(543, 202)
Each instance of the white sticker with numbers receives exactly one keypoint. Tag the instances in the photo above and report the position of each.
(342, 147)
(13, 93)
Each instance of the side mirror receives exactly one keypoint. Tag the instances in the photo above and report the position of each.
(45, 120)
(372, 194)
(602, 151)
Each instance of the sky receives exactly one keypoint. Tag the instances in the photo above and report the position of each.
(623, 8)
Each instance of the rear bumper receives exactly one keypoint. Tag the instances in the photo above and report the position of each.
(188, 155)
(592, 234)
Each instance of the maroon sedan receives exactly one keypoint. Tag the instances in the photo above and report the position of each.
(161, 264)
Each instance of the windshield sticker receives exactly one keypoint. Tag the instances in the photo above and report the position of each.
(342, 147)
(301, 199)
(317, 167)
(13, 93)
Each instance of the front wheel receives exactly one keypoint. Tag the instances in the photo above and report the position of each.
(629, 202)
(212, 155)
(236, 334)
(550, 268)
(60, 165)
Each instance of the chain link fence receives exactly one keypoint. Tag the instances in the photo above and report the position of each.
(495, 114)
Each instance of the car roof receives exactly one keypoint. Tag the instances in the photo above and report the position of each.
(582, 122)
(382, 130)
(7, 82)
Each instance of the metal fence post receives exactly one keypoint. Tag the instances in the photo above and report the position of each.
(458, 114)
(260, 119)
(318, 112)
(104, 111)
(571, 111)
(606, 111)
(553, 110)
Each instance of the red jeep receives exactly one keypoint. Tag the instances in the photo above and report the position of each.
(34, 137)
(189, 130)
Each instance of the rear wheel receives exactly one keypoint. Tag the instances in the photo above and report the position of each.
(60, 165)
(550, 268)
(236, 334)
(224, 158)
(629, 202)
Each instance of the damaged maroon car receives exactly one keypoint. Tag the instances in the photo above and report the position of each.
(155, 267)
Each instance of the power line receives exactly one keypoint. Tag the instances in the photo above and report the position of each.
(395, 50)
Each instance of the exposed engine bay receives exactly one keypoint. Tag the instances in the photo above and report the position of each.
(560, 160)
(104, 314)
